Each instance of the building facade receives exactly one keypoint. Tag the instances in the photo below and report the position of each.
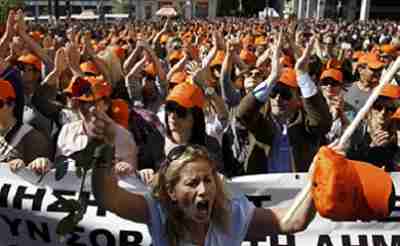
(138, 9)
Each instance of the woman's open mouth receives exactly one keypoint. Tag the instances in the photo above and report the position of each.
(203, 207)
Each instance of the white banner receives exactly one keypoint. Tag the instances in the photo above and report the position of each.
(29, 214)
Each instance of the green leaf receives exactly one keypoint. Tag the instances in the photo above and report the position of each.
(66, 225)
(84, 157)
(61, 164)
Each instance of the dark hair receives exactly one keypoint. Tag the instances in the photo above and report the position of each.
(198, 135)
(14, 77)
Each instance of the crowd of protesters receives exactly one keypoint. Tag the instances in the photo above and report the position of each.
(250, 96)
(199, 82)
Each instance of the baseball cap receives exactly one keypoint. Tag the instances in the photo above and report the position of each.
(391, 91)
(31, 59)
(335, 74)
(187, 95)
(88, 89)
(120, 112)
(289, 77)
(6, 90)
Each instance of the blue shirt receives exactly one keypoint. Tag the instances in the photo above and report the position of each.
(241, 214)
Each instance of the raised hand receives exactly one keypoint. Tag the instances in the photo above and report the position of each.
(10, 25)
(60, 61)
(73, 58)
(276, 54)
(301, 66)
(20, 22)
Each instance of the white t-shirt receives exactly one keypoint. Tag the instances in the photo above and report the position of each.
(73, 138)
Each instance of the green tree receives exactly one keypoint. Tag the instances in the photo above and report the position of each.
(228, 7)
(120, 6)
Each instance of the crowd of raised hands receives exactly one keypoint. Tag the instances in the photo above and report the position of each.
(261, 95)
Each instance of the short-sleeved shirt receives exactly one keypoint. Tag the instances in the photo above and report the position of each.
(241, 214)
(73, 138)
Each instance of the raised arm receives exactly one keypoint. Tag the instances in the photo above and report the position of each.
(108, 194)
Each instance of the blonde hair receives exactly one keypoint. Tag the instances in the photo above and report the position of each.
(169, 176)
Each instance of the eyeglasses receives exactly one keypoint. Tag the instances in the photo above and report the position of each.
(284, 92)
(180, 111)
(378, 106)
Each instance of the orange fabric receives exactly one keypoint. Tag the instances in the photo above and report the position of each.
(175, 55)
(178, 77)
(391, 91)
(375, 64)
(332, 73)
(31, 59)
(358, 54)
(388, 49)
(218, 59)
(346, 190)
(372, 60)
(187, 95)
(248, 57)
(37, 36)
(89, 67)
(120, 112)
(260, 40)
(289, 77)
(6, 90)
(99, 88)
(164, 38)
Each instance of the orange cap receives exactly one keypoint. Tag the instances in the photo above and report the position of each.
(175, 55)
(218, 59)
(164, 38)
(178, 77)
(260, 40)
(88, 89)
(187, 95)
(37, 36)
(89, 67)
(391, 91)
(248, 57)
(376, 64)
(150, 69)
(346, 190)
(289, 77)
(120, 112)
(31, 59)
(6, 90)
(388, 49)
(332, 73)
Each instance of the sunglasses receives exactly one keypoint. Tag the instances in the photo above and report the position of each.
(284, 92)
(4, 102)
(380, 106)
(180, 111)
(329, 81)
(181, 150)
